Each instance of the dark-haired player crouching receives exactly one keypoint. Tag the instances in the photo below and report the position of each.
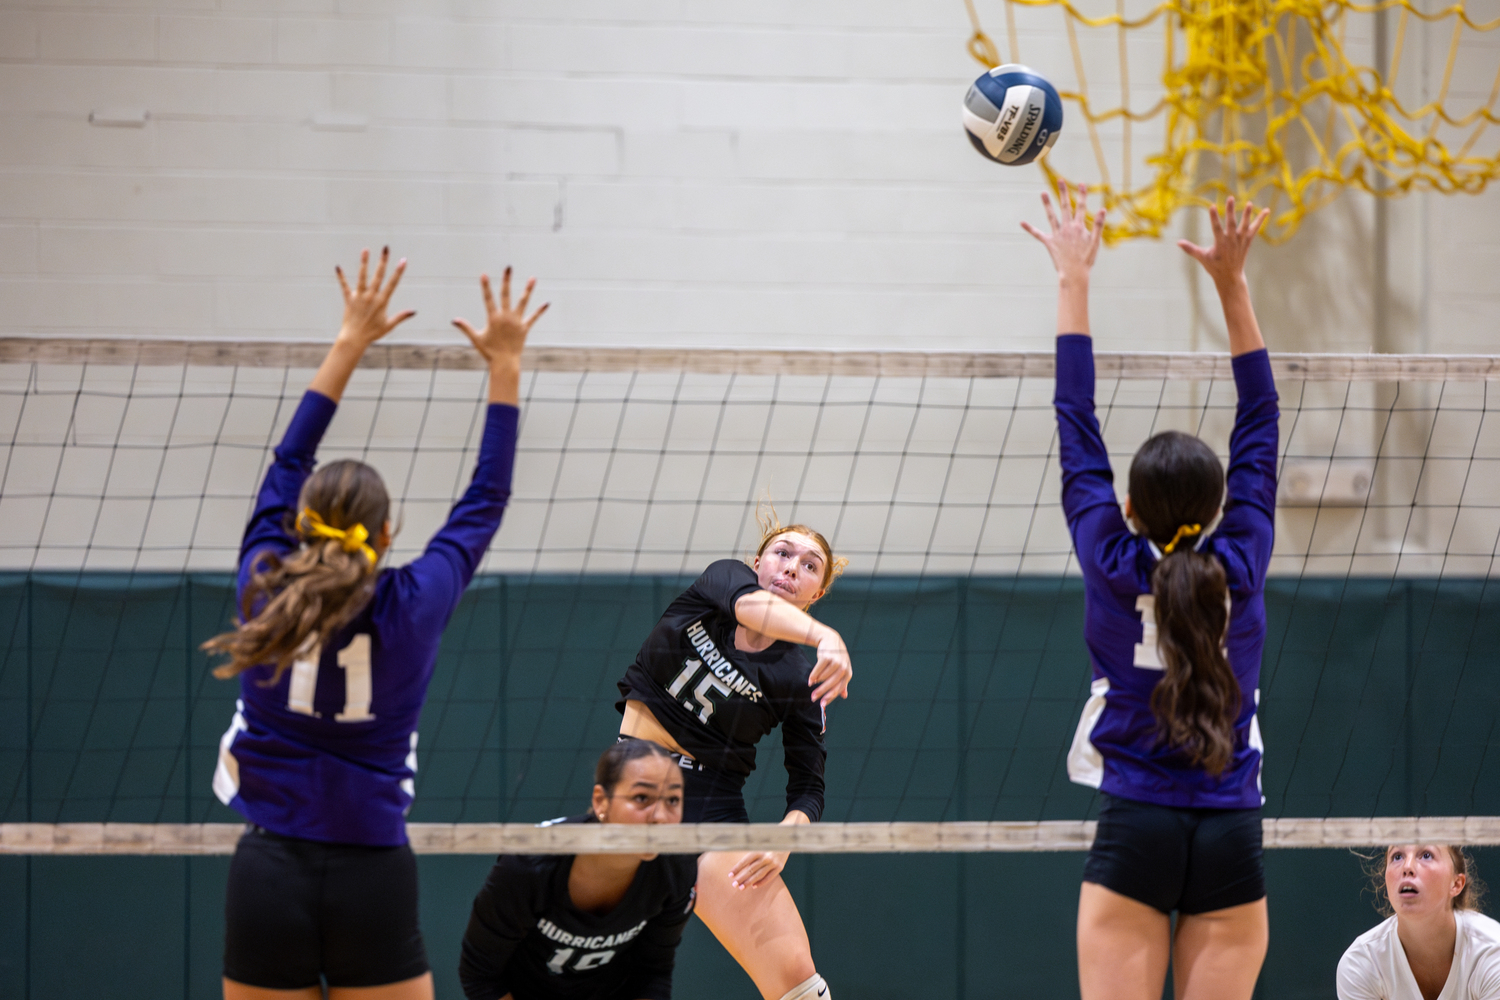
(588, 926)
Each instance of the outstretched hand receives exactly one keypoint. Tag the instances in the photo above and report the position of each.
(1225, 260)
(365, 317)
(1074, 240)
(365, 321)
(505, 327)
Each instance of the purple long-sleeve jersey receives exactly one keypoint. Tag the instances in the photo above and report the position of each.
(1118, 747)
(329, 752)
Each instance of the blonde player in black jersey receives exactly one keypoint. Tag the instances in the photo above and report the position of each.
(719, 671)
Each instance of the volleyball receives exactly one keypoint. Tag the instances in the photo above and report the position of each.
(1012, 114)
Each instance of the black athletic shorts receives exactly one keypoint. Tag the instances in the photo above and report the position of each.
(710, 796)
(1189, 860)
(299, 910)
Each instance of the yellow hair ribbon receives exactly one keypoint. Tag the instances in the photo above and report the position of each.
(1186, 529)
(352, 540)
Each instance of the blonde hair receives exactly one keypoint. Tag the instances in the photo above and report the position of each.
(316, 589)
(771, 528)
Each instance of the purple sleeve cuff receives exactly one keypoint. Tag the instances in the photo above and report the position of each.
(1075, 367)
(1252, 374)
(498, 446)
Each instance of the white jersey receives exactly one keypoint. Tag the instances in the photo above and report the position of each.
(1375, 966)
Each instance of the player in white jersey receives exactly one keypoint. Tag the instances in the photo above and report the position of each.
(1434, 943)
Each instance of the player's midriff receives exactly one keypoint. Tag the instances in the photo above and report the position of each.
(692, 689)
(640, 723)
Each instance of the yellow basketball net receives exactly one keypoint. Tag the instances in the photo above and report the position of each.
(1261, 100)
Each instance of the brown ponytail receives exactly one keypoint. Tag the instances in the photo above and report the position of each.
(1198, 698)
(1176, 487)
(315, 590)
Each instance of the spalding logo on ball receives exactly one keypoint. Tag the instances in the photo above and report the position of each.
(1012, 115)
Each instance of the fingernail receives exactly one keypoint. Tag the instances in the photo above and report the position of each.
(385, 250)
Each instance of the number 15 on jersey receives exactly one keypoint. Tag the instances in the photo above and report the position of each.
(708, 682)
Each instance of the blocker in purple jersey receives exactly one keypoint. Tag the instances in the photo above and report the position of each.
(1012, 114)
(1118, 746)
(329, 752)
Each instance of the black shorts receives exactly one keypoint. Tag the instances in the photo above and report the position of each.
(1189, 860)
(710, 796)
(297, 911)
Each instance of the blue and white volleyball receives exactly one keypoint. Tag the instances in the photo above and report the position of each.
(1012, 114)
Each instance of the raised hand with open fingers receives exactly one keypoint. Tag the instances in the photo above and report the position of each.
(1233, 236)
(366, 319)
(505, 329)
(503, 337)
(1074, 238)
(1225, 263)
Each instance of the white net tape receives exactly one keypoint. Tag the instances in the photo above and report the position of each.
(696, 838)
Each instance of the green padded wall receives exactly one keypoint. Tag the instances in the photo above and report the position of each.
(1377, 698)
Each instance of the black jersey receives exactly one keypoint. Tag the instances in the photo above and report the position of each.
(526, 938)
(717, 701)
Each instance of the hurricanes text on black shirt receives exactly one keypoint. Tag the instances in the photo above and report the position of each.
(527, 939)
(717, 701)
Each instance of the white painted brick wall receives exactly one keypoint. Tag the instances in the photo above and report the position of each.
(778, 174)
(94, 35)
(216, 39)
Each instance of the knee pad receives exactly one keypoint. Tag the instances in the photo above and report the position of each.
(809, 989)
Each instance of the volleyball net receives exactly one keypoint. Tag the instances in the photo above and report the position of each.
(129, 469)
